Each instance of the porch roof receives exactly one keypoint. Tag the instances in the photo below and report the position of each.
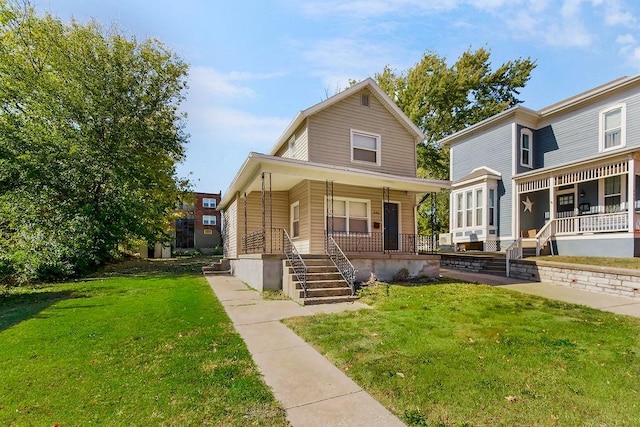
(288, 172)
(587, 169)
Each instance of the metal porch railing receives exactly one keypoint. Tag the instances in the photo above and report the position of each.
(341, 262)
(296, 262)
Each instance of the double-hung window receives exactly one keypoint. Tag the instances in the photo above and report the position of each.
(365, 147)
(208, 203)
(295, 219)
(526, 148)
(613, 127)
(612, 194)
(209, 220)
(350, 216)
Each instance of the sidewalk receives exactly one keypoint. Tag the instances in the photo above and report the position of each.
(601, 301)
(310, 388)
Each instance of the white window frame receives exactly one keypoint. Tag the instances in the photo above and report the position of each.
(602, 199)
(623, 127)
(292, 147)
(491, 206)
(347, 216)
(378, 149)
(209, 220)
(293, 220)
(526, 132)
(482, 213)
(207, 202)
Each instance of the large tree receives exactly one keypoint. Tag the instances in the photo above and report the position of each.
(90, 134)
(442, 99)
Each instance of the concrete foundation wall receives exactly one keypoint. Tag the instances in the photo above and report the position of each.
(259, 272)
(621, 246)
(615, 281)
(385, 267)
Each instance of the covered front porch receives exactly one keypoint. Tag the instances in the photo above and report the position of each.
(591, 209)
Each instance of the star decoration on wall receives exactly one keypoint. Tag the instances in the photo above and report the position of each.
(528, 204)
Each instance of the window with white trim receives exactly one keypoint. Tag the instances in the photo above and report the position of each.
(295, 219)
(613, 127)
(479, 207)
(292, 147)
(208, 203)
(459, 208)
(613, 194)
(365, 147)
(526, 148)
(468, 208)
(351, 215)
(209, 220)
(492, 206)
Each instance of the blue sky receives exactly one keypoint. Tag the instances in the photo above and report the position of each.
(255, 64)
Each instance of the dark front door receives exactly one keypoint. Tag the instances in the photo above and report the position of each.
(390, 226)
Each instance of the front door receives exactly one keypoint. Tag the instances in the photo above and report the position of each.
(390, 226)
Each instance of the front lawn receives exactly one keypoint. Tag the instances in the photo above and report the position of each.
(152, 350)
(468, 355)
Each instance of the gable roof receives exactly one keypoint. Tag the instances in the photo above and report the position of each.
(368, 83)
(563, 106)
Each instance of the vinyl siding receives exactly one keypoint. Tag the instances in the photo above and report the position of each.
(276, 214)
(575, 135)
(231, 226)
(492, 149)
(373, 195)
(300, 193)
(329, 133)
(301, 151)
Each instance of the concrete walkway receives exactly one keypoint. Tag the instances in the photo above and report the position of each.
(310, 388)
(605, 302)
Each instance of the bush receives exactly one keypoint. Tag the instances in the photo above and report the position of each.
(401, 276)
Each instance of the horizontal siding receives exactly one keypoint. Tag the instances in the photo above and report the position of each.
(230, 225)
(492, 149)
(575, 135)
(300, 193)
(300, 146)
(276, 214)
(330, 136)
(375, 198)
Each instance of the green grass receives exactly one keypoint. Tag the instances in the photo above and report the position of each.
(472, 355)
(151, 350)
(633, 263)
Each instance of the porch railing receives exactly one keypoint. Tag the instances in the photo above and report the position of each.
(513, 251)
(604, 223)
(376, 242)
(296, 262)
(341, 262)
(544, 235)
(263, 242)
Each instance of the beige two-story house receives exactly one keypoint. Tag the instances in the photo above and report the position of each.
(340, 180)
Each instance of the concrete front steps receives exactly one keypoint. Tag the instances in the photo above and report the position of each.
(325, 284)
(219, 267)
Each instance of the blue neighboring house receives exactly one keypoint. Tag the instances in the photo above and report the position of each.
(563, 178)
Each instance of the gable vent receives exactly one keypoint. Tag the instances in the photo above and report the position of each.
(364, 99)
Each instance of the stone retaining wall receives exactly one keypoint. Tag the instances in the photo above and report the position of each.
(615, 281)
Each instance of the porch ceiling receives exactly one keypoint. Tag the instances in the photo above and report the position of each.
(286, 173)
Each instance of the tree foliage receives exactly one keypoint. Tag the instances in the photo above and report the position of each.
(442, 99)
(90, 133)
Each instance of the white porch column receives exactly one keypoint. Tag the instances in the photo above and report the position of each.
(552, 198)
(631, 194)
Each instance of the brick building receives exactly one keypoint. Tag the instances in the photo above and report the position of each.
(199, 228)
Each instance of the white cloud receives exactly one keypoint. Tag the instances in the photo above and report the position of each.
(205, 82)
(629, 49)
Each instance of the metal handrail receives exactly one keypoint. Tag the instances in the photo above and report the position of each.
(342, 263)
(296, 261)
(513, 251)
(544, 235)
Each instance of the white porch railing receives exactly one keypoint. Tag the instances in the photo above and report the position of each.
(513, 251)
(604, 223)
(544, 235)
